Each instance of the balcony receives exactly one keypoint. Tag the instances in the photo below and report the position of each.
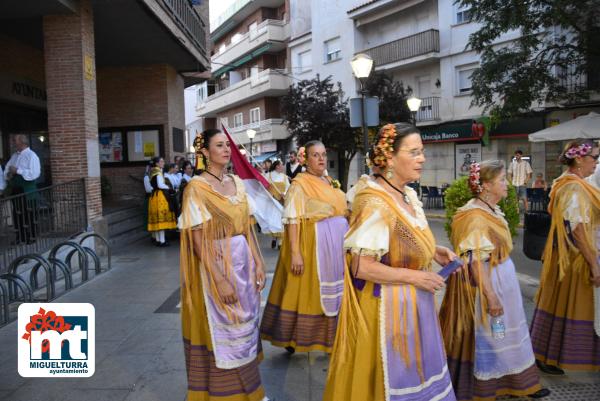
(188, 21)
(266, 130)
(273, 33)
(406, 51)
(367, 12)
(429, 110)
(266, 83)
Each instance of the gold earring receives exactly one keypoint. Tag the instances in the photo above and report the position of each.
(389, 174)
(207, 163)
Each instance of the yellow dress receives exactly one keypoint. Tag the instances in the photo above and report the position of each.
(160, 216)
(381, 351)
(294, 315)
(214, 372)
(562, 328)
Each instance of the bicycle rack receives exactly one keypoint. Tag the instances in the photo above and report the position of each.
(4, 295)
(83, 259)
(108, 251)
(41, 262)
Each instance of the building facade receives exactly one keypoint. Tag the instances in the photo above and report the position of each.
(250, 72)
(97, 86)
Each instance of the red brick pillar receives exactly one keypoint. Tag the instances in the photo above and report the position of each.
(72, 105)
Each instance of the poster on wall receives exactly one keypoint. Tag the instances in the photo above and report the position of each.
(465, 154)
(111, 147)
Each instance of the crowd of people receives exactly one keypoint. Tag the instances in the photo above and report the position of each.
(355, 278)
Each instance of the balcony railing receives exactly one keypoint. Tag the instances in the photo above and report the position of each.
(36, 221)
(405, 48)
(429, 110)
(188, 20)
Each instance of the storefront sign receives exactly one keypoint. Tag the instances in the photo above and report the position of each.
(465, 154)
(22, 91)
(449, 133)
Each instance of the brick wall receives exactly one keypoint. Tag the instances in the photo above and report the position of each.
(72, 106)
(136, 96)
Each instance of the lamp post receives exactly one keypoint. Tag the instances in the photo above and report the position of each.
(251, 134)
(414, 103)
(362, 64)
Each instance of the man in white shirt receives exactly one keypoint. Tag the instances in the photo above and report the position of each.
(21, 173)
(292, 167)
(519, 174)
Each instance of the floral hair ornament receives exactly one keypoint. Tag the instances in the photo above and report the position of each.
(198, 145)
(474, 178)
(302, 155)
(581, 150)
(384, 148)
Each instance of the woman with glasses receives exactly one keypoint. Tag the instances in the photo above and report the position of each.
(301, 312)
(562, 329)
(389, 345)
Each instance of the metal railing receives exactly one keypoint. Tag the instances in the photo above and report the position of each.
(35, 222)
(429, 110)
(188, 19)
(405, 48)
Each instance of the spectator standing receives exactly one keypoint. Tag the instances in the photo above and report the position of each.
(539, 182)
(293, 166)
(519, 174)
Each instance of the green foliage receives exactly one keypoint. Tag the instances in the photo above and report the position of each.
(392, 97)
(458, 194)
(557, 47)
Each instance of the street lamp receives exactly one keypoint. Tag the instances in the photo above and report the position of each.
(414, 103)
(251, 134)
(362, 64)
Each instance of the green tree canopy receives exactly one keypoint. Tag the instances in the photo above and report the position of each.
(557, 47)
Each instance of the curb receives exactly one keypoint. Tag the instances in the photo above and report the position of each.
(436, 216)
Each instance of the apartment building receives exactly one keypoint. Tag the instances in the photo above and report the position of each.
(423, 44)
(250, 73)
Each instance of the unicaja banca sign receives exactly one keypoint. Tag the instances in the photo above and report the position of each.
(56, 340)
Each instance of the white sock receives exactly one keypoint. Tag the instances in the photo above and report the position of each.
(155, 235)
(161, 236)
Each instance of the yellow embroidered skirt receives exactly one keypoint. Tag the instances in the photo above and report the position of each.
(160, 217)
(293, 316)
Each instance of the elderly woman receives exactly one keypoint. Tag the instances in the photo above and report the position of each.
(482, 317)
(389, 345)
(301, 312)
(222, 275)
(562, 329)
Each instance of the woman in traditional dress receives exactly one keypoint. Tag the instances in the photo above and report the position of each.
(485, 364)
(279, 184)
(562, 329)
(301, 313)
(389, 345)
(161, 217)
(222, 274)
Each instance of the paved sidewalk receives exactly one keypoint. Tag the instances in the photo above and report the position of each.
(139, 353)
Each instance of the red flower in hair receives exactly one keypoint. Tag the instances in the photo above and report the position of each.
(474, 178)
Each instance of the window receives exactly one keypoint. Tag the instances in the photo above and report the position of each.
(222, 48)
(254, 115)
(252, 27)
(254, 71)
(238, 120)
(304, 61)
(129, 144)
(464, 79)
(463, 15)
(202, 92)
(333, 50)
(236, 38)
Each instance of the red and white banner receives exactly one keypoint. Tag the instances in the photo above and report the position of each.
(267, 211)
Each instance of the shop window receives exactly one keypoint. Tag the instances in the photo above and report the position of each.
(130, 144)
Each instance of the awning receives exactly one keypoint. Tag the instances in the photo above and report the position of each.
(242, 60)
(264, 156)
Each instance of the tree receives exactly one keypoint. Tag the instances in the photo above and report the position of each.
(557, 46)
(392, 97)
(316, 109)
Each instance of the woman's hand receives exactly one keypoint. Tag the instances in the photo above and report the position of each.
(297, 264)
(494, 305)
(443, 255)
(226, 292)
(427, 281)
(260, 277)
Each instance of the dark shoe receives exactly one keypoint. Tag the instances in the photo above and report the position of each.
(162, 244)
(291, 350)
(273, 244)
(540, 393)
(549, 369)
